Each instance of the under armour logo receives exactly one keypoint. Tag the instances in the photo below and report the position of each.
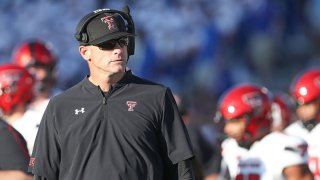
(131, 105)
(76, 111)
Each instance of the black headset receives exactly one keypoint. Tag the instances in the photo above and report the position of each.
(82, 36)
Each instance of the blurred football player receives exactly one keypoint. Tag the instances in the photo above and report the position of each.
(246, 111)
(15, 94)
(305, 89)
(16, 89)
(39, 59)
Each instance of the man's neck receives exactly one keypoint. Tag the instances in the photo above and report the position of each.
(105, 82)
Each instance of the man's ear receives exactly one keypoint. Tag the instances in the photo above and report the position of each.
(85, 52)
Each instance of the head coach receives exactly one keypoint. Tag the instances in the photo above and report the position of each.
(113, 124)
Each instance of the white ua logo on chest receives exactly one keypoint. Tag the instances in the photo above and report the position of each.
(77, 111)
(131, 105)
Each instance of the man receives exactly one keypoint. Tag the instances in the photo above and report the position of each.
(113, 124)
(37, 56)
(246, 109)
(15, 83)
(305, 89)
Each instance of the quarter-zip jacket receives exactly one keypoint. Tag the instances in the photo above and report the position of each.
(132, 132)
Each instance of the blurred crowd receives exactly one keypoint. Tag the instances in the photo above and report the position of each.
(201, 49)
(211, 43)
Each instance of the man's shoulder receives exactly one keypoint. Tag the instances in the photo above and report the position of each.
(145, 85)
(273, 135)
(229, 143)
(73, 94)
(145, 82)
(281, 139)
(295, 126)
(70, 91)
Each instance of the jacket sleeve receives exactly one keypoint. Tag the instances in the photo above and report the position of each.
(45, 158)
(39, 178)
(185, 171)
(175, 139)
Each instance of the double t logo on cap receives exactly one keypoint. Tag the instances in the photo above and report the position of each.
(110, 22)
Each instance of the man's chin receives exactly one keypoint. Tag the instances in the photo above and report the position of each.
(119, 71)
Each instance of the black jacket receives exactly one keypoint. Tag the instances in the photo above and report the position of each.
(132, 132)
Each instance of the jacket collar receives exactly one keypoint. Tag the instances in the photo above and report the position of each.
(96, 89)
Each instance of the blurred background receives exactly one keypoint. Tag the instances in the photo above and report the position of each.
(199, 48)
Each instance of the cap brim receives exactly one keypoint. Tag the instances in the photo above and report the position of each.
(109, 37)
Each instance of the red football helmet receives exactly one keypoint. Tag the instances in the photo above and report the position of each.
(251, 102)
(306, 86)
(34, 53)
(16, 87)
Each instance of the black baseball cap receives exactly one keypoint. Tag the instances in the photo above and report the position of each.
(105, 27)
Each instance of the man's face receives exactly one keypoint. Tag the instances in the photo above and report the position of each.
(308, 111)
(39, 73)
(235, 128)
(44, 78)
(108, 60)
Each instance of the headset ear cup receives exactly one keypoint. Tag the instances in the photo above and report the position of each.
(131, 46)
(78, 37)
(84, 37)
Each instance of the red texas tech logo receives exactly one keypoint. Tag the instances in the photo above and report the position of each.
(131, 105)
(253, 99)
(32, 161)
(110, 22)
